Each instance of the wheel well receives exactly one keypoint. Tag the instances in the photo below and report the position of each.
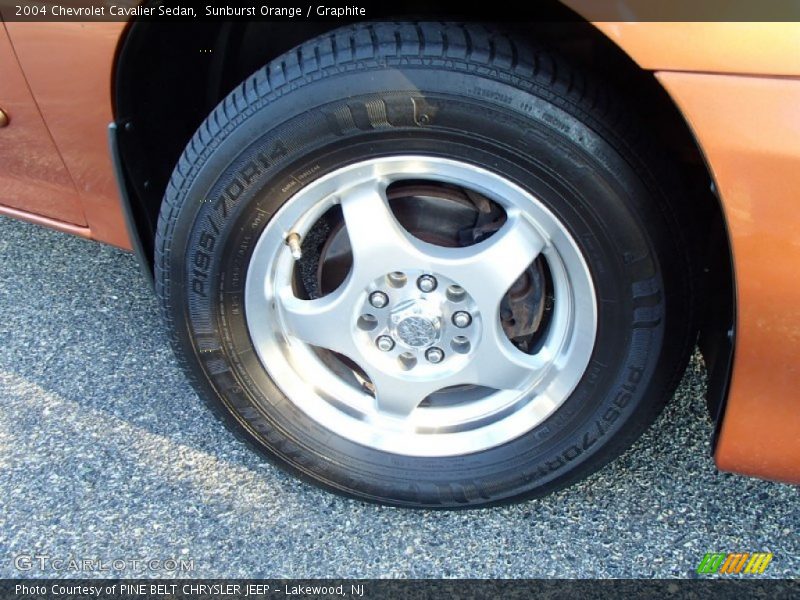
(169, 77)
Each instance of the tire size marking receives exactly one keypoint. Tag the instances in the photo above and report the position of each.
(620, 401)
(202, 260)
(242, 180)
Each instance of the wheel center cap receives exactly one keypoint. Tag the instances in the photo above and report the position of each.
(417, 331)
(418, 324)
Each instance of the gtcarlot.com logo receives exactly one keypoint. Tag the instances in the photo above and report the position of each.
(733, 563)
(73, 564)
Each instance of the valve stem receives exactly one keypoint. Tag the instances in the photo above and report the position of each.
(293, 241)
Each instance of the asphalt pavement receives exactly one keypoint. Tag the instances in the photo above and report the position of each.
(106, 454)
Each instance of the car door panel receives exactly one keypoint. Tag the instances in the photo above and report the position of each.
(33, 177)
(68, 67)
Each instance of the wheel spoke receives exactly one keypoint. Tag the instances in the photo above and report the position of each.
(500, 365)
(321, 322)
(377, 240)
(399, 397)
(489, 268)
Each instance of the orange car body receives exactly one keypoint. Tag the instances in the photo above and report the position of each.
(736, 84)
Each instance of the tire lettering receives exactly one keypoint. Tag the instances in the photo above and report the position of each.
(250, 172)
(267, 159)
(202, 260)
(207, 241)
(622, 398)
(213, 225)
(234, 190)
(198, 284)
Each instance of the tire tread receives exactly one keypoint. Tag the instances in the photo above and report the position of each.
(467, 48)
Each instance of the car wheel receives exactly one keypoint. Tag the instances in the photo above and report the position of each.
(425, 265)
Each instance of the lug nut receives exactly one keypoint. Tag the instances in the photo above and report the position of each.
(460, 344)
(455, 293)
(407, 361)
(462, 319)
(397, 279)
(384, 343)
(367, 322)
(434, 355)
(427, 283)
(378, 299)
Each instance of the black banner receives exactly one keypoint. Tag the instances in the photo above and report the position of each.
(131, 589)
(354, 10)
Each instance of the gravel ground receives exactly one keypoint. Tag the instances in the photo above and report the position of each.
(106, 453)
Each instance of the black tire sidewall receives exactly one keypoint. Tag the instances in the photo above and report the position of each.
(520, 130)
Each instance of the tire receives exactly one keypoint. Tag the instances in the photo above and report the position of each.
(493, 123)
